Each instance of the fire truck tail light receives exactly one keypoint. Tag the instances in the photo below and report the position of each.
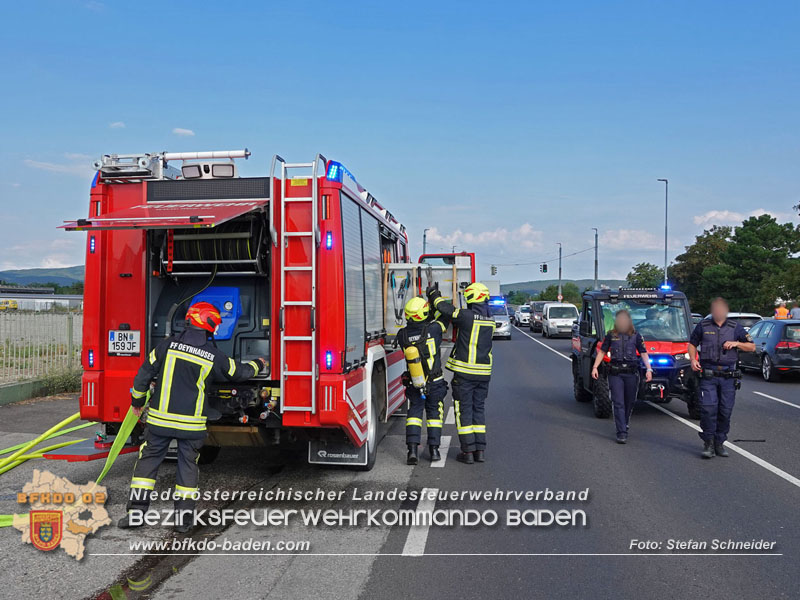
(328, 360)
(92, 244)
(328, 240)
(90, 358)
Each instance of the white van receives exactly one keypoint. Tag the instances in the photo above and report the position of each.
(557, 319)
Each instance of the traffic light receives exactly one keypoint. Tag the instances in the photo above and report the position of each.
(543, 268)
(494, 270)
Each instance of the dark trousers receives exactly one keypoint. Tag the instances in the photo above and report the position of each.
(624, 388)
(433, 406)
(469, 401)
(151, 455)
(717, 396)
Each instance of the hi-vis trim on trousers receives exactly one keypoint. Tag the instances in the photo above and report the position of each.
(176, 421)
(143, 483)
(459, 366)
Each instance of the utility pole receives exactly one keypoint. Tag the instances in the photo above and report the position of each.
(425, 240)
(666, 224)
(454, 249)
(560, 296)
(595, 257)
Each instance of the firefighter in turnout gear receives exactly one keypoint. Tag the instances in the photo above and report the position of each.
(471, 364)
(421, 340)
(181, 365)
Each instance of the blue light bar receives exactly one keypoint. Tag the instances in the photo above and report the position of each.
(337, 172)
(660, 360)
(90, 358)
(92, 244)
(328, 240)
(498, 302)
(328, 360)
(666, 287)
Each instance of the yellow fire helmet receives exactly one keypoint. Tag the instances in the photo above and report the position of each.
(476, 293)
(417, 309)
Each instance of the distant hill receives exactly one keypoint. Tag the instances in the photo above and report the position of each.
(61, 276)
(534, 287)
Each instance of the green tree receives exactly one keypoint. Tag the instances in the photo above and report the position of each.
(688, 269)
(518, 297)
(754, 263)
(569, 290)
(646, 275)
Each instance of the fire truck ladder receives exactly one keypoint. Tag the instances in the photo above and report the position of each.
(294, 375)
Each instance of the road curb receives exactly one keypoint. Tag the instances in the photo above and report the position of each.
(16, 392)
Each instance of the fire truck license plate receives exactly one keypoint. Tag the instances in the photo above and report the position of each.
(123, 343)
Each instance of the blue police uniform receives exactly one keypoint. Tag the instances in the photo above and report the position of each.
(718, 383)
(623, 377)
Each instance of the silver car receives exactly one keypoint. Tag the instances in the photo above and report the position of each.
(502, 320)
(522, 316)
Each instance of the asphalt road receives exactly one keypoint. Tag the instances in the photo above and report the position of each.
(655, 488)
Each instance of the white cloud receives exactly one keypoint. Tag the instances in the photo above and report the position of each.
(523, 237)
(633, 240)
(117, 125)
(75, 164)
(46, 253)
(183, 132)
(729, 217)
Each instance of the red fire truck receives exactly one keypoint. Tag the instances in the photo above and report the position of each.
(294, 261)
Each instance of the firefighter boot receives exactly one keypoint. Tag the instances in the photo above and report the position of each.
(413, 457)
(708, 449)
(125, 523)
(720, 449)
(465, 457)
(478, 455)
(434, 451)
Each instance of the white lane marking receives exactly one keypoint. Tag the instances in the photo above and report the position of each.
(749, 456)
(444, 446)
(418, 534)
(777, 399)
(450, 419)
(561, 354)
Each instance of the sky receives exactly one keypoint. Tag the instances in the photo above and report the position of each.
(503, 128)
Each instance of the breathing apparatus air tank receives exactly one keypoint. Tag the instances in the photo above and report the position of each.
(415, 370)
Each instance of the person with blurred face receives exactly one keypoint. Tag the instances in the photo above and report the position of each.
(719, 341)
(625, 347)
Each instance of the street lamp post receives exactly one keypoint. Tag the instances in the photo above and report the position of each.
(560, 296)
(666, 224)
(425, 240)
(595, 257)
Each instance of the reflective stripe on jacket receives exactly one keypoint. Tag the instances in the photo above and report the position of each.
(182, 365)
(471, 356)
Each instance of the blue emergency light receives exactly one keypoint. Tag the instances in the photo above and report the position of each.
(92, 244)
(498, 302)
(328, 240)
(666, 287)
(328, 360)
(660, 360)
(337, 172)
(90, 358)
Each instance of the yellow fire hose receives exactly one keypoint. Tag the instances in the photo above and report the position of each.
(20, 455)
(57, 434)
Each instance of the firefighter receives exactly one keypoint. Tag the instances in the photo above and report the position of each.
(425, 388)
(623, 342)
(181, 365)
(719, 340)
(471, 364)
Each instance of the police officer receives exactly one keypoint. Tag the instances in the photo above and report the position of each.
(471, 364)
(719, 340)
(181, 365)
(623, 343)
(426, 335)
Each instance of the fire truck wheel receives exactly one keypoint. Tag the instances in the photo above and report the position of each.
(208, 454)
(601, 399)
(373, 426)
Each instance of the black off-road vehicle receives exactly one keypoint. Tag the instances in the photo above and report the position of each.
(663, 318)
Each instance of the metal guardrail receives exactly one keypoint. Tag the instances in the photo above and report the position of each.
(35, 344)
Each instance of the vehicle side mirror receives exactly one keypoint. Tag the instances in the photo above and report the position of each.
(585, 328)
